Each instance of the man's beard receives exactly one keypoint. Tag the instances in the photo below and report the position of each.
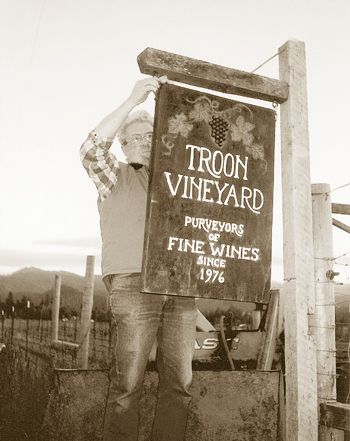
(138, 152)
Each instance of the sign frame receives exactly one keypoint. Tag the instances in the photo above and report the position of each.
(241, 133)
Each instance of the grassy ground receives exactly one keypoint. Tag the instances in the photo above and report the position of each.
(24, 386)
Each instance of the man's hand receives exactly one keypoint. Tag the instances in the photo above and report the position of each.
(144, 87)
(109, 126)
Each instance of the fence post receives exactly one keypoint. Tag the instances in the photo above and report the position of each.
(298, 289)
(2, 325)
(323, 321)
(41, 325)
(56, 308)
(27, 327)
(86, 309)
(94, 337)
(75, 327)
(267, 350)
(12, 323)
(256, 316)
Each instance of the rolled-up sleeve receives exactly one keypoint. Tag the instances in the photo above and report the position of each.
(101, 165)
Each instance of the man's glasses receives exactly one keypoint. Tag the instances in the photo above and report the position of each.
(140, 138)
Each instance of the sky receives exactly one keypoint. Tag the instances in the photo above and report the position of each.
(66, 64)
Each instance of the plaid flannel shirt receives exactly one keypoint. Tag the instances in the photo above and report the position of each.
(101, 165)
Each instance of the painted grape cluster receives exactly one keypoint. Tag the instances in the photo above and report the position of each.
(219, 129)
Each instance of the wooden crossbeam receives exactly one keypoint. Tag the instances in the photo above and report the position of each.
(340, 208)
(335, 415)
(60, 344)
(341, 225)
(211, 76)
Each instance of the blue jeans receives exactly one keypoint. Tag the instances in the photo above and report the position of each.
(139, 320)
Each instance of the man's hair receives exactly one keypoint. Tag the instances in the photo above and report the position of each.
(138, 116)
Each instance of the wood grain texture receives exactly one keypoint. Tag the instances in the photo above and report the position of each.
(299, 289)
(211, 76)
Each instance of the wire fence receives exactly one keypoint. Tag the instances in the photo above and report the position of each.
(35, 335)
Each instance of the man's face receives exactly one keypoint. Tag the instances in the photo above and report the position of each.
(138, 137)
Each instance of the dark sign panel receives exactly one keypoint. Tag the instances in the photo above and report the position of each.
(209, 219)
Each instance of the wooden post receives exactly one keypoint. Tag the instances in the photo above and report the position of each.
(324, 318)
(298, 289)
(256, 315)
(267, 351)
(323, 321)
(56, 308)
(27, 327)
(41, 325)
(12, 322)
(86, 309)
(256, 318)
(2, 324)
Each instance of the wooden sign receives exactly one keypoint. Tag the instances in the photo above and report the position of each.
(209, 215)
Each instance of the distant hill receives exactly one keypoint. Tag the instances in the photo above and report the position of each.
(37, 284)
(34, 283)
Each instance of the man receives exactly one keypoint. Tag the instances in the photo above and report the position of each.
(139, 318)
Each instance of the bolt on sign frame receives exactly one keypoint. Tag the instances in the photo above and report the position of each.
(298, 293)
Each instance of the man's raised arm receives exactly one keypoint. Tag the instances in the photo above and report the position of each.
(101, 165)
